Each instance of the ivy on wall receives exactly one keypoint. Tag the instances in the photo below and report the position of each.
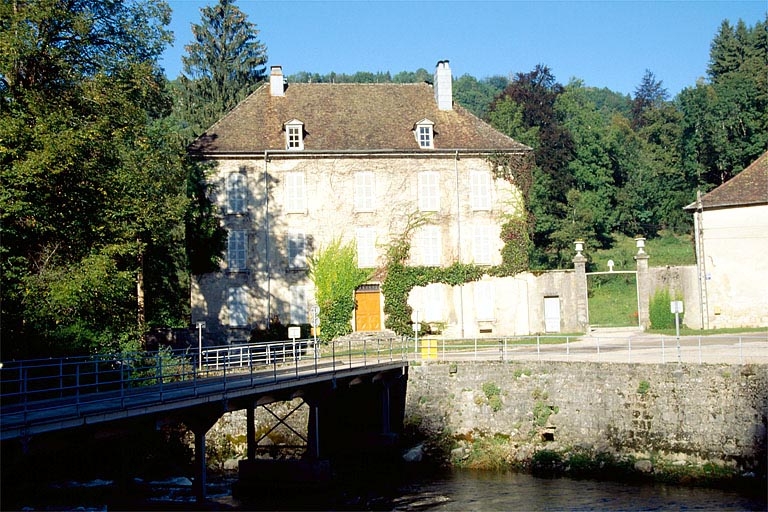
(400, 278)
(335, 273)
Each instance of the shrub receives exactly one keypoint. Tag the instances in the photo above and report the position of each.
(660, 315)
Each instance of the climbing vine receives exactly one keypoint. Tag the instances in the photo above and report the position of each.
(336, 275)
(400, 278)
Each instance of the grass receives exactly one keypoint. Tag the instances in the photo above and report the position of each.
(613, 298)
(667, 249)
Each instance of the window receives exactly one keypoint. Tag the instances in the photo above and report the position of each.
(430, 250)
(481, 245)
(295, 193)
(480, 190)
(237, 306)
(294, 135)
(484, 301)
(364, 192)
(299, 309)
(429, 191)
(236, 193)
(237, 250)
(366, 247)
(297, 251)
(424, 133)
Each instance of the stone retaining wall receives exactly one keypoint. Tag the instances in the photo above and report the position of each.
(689, 414)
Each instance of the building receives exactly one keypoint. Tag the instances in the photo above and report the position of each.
(299, 165)
(731, 233)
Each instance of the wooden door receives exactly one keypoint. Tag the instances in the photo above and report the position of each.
(368, 312)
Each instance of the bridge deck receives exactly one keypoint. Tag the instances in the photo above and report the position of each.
(29, 410)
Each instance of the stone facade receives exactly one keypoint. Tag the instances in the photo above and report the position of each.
(299, 166)
(274, 279)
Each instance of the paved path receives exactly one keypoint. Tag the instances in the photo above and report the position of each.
(630, 346)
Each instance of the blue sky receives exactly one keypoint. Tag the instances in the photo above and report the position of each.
(606, 44)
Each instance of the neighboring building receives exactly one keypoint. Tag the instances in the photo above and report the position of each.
(302, 164)
(731, 231)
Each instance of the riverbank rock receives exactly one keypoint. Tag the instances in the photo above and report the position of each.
(644, 466)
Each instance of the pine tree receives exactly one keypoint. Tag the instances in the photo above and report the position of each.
(224, 64)
(648, 95)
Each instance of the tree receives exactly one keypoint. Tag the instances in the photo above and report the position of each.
(535, 93)
(224, 64)
(94, 193)
(649, 94)
(725, 122)
(477, 95)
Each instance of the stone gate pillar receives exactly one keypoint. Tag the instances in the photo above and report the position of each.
(643, 285)
(580, 287)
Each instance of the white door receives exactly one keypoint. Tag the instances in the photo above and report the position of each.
(552, 314)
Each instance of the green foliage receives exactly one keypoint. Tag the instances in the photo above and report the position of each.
(476, 95)
(643, 387)
(725, 122)
(224, 64)
(613, 299)
(336, 276)
(660, 313)
(542, 412)
(492, 394)
(94, 183)
(547, 463)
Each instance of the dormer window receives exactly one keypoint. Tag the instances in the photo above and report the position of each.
(424, 132)
(294, 135)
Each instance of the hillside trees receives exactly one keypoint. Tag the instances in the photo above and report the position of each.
(224, 64)
(94, 182)
(610, 164)
(725, 121)
(526, 111)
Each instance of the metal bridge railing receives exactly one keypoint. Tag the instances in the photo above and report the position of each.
(652, 349)
(37, 384)
(40, 383)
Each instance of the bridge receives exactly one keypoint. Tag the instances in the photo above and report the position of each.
(356, 395)
(355, 392)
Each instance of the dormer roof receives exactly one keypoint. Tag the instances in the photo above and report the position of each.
(349, 117)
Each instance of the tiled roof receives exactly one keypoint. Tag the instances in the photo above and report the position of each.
(749, 187)
(349, 117)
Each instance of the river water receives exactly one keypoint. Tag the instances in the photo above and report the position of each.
(457, 490)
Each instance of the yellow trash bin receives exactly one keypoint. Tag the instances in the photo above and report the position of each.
(428, 349)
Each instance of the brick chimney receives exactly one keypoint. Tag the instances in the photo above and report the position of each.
(276, 81)
(443, 86)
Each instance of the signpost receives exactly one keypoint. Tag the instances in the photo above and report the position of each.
(315, 324)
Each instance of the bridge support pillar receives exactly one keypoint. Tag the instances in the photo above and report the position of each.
(251, 431)
(200, 422)
(313, 430)
(386, 409)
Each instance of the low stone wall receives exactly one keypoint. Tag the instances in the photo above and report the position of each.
(651, 415)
